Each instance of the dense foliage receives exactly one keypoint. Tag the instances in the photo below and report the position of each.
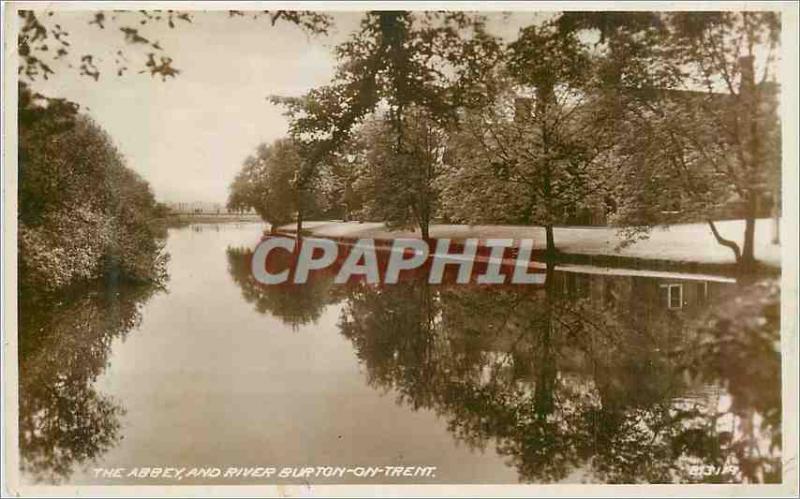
(401, 171)
(698, 125)
(628, 119)
(269, 183)
(83, 214)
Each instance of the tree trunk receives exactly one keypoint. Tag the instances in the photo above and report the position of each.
(551, 240)
(748, 247)
(748, 250)
(776, 216)
(726, 242)
(751, 140)
(299, 228)
(424, 228)
(544, 98)
(776, 229)
(549, 281)
(546, 368)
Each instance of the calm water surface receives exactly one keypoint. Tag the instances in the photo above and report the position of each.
(591, 378)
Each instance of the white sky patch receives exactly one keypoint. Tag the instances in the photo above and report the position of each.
(188, 136)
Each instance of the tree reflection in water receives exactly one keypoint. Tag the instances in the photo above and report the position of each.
(294, 304)
(590, 377)
(64, 345)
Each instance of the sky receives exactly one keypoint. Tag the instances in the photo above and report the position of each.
(189, 135)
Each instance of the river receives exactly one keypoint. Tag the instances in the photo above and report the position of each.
(596, 377)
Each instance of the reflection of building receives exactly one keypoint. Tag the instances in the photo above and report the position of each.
(678, 294)
(655, 293)
(656, 309)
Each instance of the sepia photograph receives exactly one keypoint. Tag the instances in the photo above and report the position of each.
(398, 248)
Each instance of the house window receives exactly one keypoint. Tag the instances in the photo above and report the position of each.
(674, 295)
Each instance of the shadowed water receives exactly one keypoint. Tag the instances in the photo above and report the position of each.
(590, 377)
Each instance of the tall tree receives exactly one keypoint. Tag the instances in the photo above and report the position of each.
(698, 118)
(401, 174)
(396, 61)
(269, 184)
(539, 143)
(724, 50)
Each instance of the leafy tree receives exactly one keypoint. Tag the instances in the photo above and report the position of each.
(82, 213)
(538, 148)
(699, 126)
(268, 183)
(342, 179)
(400, 175)
(745, 153)
(396, 61)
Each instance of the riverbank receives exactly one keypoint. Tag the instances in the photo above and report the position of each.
(682, 246)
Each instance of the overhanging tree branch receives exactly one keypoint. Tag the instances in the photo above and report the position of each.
(725, 242)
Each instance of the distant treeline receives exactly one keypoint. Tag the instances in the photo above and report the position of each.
(83, 214)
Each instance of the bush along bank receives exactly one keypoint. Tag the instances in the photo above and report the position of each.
(83, 214)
